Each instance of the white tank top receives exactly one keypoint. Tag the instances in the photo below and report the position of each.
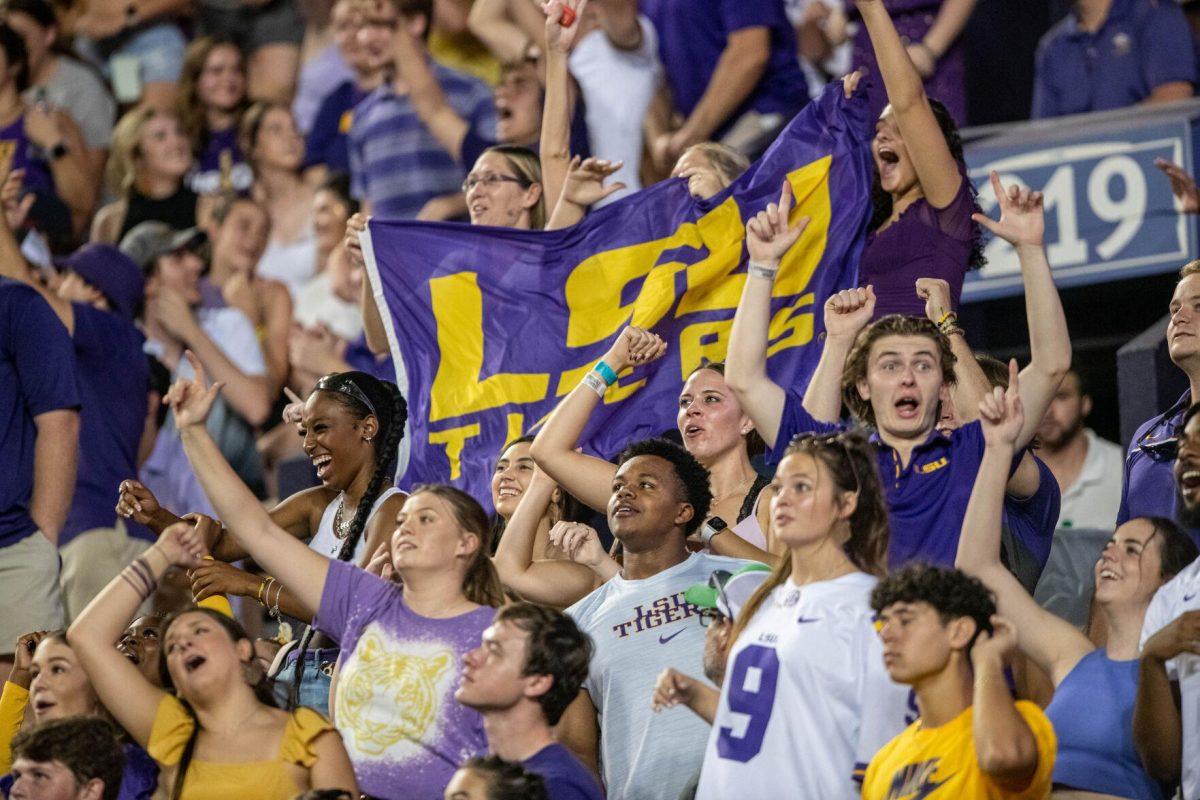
(328, 544)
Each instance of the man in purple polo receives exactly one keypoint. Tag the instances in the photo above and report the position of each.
(894, 378)
(1149, 486)
(1110, 54)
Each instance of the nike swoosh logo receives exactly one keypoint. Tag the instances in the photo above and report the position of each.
(1188, 597)
(665, 639)
(802, 620)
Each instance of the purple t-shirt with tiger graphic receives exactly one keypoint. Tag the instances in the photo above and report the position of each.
(395, 706)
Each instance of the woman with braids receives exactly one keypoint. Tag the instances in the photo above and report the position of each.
(923, 201)
(805, 688)
(1094, 688)
(401, 644)
(713, 429)
(351, 425)
(212, 727)
(47, 683)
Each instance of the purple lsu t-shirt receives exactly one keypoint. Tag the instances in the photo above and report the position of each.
(113, 416)
(565, 776)
(37, 375)
(692, 35)
(926, 499)
(206, 177)
(395, 707)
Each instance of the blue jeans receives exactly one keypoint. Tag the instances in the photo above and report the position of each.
(314, 686)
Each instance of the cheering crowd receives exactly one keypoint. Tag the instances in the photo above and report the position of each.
(920, 575)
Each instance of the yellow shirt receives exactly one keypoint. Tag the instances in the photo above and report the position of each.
(12, 714)
(940, 763)
(262, 780)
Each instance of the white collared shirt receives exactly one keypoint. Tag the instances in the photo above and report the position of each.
(1093, 500)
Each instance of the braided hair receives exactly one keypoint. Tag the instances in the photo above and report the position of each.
(389, 408)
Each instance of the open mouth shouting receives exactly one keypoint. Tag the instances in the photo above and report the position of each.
(908, 407)
(193, 663)
(323, 463)
(624, 510)
(888, 161)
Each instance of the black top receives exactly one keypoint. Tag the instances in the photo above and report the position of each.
(177, 210)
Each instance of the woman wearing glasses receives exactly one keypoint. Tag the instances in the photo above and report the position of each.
(351, 425)
(806, 641)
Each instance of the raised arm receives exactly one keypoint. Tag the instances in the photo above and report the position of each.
(1157, 723)
(846, 313)
(507, 32)
(937, 171)
(769, 235)
(1054, 645)
(426, 95)
(373, 328)
(583, 187)
(556, 583)
(555, 146)
(126, 693)
(273, 548)
(1022, 224)
(1005, 746)
(587, 477)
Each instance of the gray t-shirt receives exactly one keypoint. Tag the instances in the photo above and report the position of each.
(640, 628)
(80, 92)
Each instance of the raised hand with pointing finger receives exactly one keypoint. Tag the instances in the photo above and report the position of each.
(1022, 220)
(191, 400)
(770, 234)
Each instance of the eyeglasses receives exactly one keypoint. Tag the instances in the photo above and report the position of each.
(710, 615)
(491, 180)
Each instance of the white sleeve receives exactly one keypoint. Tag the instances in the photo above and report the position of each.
(1161, 612)
(234, 334)
(884, 704)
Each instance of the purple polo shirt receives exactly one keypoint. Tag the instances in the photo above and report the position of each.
(692, 35)
(37, 375)
(1032, 519)
(1149, 487)
(926, 499)
(113, 416)
(1141, 45)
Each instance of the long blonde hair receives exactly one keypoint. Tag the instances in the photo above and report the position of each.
(121, 169)
(849, 459)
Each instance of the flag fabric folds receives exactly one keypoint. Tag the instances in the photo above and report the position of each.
(491, 327)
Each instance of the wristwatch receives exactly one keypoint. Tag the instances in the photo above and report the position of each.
(711, 528)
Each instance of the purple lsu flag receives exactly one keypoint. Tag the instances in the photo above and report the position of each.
(491, 327)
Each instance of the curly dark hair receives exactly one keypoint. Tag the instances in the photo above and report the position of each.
(88, 746)
(557, 647)
(693, 477)
(857, 365)
(881, 201)
(507, 780)
(952, 593)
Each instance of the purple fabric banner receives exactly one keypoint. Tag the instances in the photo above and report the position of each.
(490, 327)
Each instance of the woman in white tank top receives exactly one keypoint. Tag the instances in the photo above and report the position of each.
(351, 424)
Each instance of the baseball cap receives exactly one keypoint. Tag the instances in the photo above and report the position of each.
(148, 240)
(728, 591)
(113, 273)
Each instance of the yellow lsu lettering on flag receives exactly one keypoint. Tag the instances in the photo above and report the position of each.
(593, 293)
